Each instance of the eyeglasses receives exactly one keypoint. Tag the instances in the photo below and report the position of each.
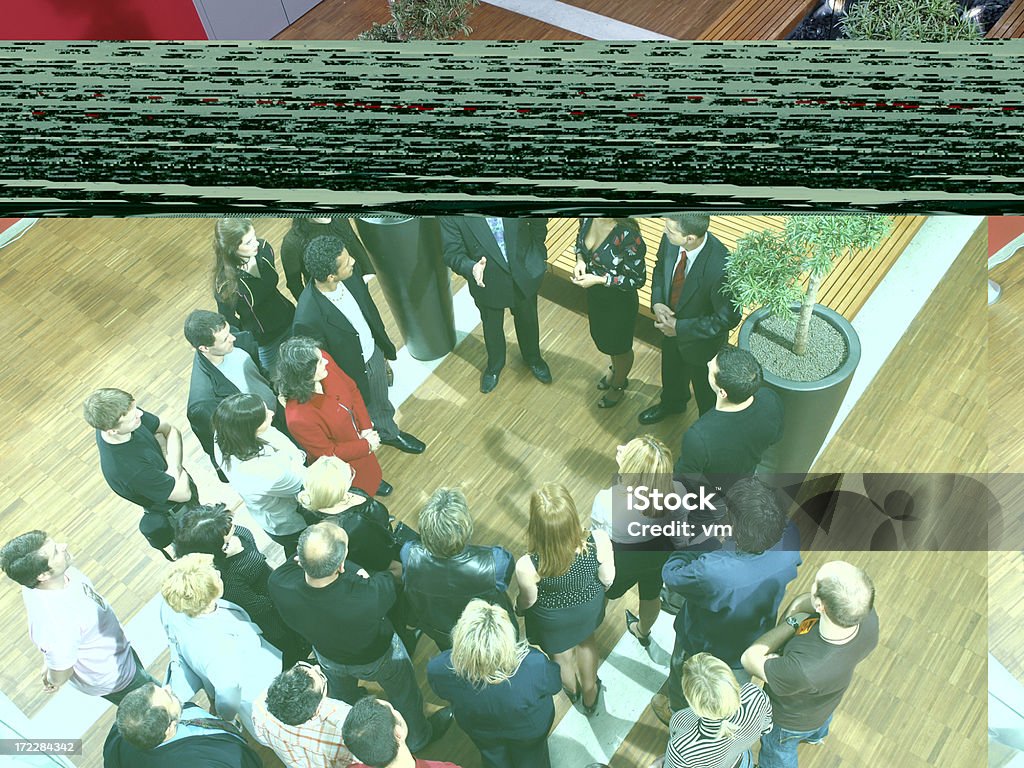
(316, 672)
(227, 538)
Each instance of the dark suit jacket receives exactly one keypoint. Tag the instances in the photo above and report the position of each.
(704, 315)
(317, 317)
(468, 238)
(215, 749)
(207, 388)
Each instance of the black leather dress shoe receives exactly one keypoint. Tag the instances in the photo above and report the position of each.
(541, 372)
(488, 381)
(656, 413)
(385, 488)
(406, 443)
(440, 722)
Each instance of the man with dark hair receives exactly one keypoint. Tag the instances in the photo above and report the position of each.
(75, 628)
(300, 723)
(732, 594)
(336, 309)
(377, 734)
(343, 612)
(140, 457)
(154, 730)
(807, 661)
(224, 365)
(305, 229)
(690, 310)
(731, 438)
(503, 261)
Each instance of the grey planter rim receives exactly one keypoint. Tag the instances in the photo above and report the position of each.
(386, 221)
(833, 318)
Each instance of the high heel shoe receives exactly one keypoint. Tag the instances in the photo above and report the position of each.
(606, 380)
(592, 708)
(605, 402)
(631, 621)
(573, 696)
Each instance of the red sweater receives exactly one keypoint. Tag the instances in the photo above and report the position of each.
(329, 425)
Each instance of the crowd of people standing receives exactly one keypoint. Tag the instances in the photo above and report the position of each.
(291, 405)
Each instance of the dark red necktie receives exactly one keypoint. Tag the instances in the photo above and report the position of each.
(678, 278)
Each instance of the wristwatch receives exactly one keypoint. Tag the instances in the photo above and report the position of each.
(794, 622)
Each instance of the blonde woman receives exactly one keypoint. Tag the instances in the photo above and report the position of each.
(328, 492)
(562, 582)
(500, 689)
(644, 462)
(722, 722)
(214, 644)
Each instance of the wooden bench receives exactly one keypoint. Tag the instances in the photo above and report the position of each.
(758, 20)
(1010, 24)
(845, 289)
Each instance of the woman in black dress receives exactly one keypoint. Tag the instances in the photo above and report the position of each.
(610, 264)
(245, 286)
(209, 530)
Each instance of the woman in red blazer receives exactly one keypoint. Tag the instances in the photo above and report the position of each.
(325, 412)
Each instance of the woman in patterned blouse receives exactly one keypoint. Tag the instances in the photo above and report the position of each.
(610, 264)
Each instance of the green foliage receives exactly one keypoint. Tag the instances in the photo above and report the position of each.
(926, 21)
(824, 239)
(424, 20)
(764, 271)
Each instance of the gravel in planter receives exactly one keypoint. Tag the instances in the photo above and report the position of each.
(772, 341)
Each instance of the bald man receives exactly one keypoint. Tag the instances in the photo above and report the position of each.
(807, 661)
(343, 612)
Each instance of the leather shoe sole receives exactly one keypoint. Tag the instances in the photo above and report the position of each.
(488, 381)
(440, 722)
(656, 413)
(406, 443)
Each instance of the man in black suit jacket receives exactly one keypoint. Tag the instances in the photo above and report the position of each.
(335, 308)
(503, 260)
(691, 312)
(224, 365)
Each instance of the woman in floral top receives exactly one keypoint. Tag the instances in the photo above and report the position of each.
(610, 265)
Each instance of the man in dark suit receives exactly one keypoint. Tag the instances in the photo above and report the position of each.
(691, 312)
(224, 365)
(335, 308)
(503, 261)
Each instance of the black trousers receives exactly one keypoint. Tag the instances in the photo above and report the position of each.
(524, 314)
(507, 753)
(677, 373)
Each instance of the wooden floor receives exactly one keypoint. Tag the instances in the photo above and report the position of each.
(1006, 369)
(90, 303)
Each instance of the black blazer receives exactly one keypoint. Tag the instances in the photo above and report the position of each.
(317, 317)
(468, 238)
(704, 315)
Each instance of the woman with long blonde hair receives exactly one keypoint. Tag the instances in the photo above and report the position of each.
(562, 581)
(643, 462)
(499, 687)
(723, 719)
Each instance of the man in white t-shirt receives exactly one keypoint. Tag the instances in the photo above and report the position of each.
(75, 628)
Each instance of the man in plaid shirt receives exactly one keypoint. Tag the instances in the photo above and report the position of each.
(299, 722)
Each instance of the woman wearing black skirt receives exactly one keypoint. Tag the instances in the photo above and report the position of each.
(610, 265)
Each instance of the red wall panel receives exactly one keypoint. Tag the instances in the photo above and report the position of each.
(100, 20)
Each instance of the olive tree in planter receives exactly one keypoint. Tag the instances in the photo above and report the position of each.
(423, 20)
(809, 352)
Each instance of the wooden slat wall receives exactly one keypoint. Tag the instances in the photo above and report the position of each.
(758, 20)
(1010, 24)
(845, 289)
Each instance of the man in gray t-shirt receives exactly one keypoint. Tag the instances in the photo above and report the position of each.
(223, 366)
(807, 661)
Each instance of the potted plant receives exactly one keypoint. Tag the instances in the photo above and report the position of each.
(423, 20)
(926, 21)
(808, 352)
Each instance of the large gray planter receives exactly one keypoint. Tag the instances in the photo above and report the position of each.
(810, 406)
(406, 253)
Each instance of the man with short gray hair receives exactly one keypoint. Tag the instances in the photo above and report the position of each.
(443, 572)
(807, 661)
(343, 612)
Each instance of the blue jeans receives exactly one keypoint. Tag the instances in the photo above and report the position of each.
(778, 747)
(395, 674)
